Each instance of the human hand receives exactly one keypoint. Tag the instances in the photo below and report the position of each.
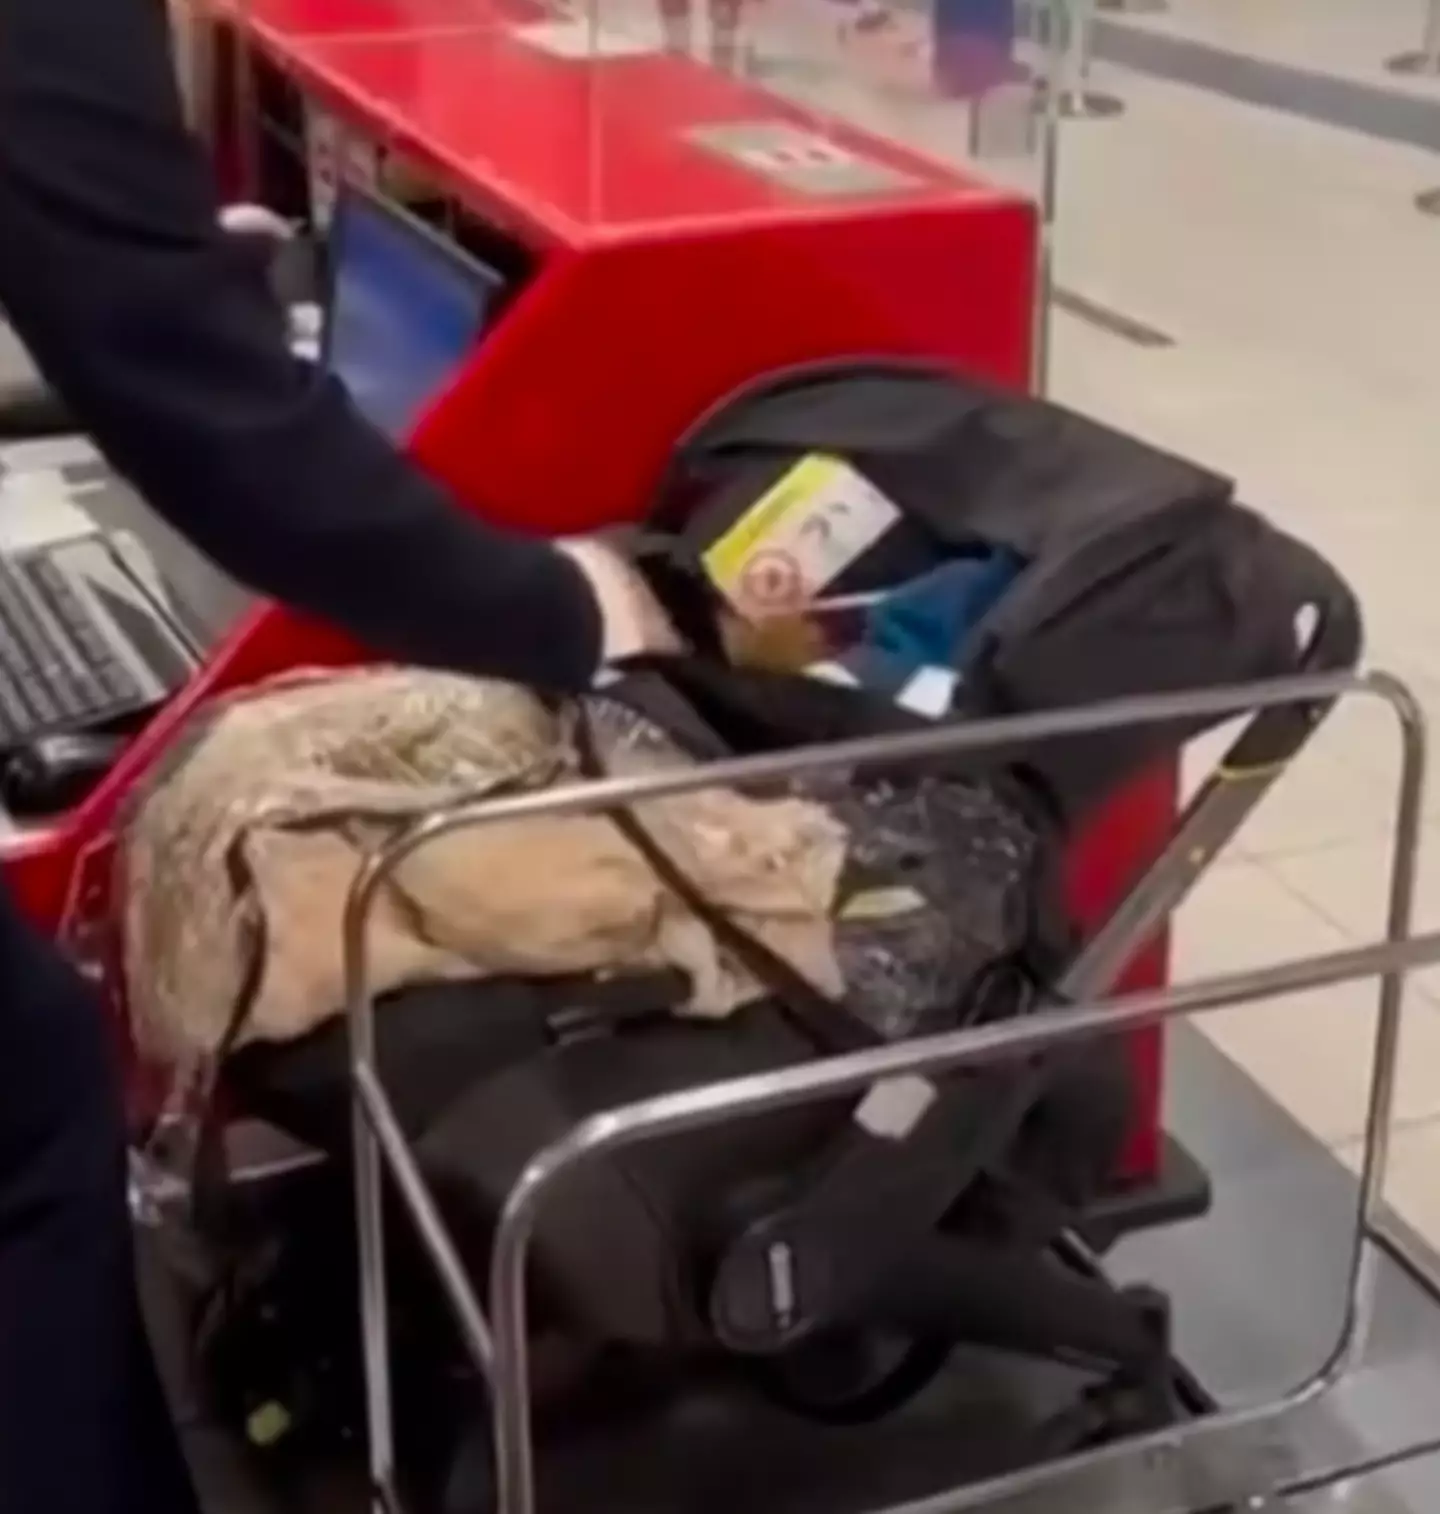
(632, 620)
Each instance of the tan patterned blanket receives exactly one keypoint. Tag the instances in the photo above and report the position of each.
(239, 858)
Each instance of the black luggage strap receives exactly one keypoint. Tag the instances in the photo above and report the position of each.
(827, 1024)
(909, 1151)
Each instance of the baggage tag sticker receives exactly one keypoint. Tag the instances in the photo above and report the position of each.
(323, 153)
(798, 538)
(334, 157)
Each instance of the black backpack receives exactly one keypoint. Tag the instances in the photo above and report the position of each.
(1143, 574)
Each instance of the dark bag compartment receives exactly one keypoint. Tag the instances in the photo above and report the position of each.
(966, 462)
(484, 1075)
(623, 1250)
(1142, 575)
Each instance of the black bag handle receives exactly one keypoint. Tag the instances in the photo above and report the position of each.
(828, 1024)
(708, 430)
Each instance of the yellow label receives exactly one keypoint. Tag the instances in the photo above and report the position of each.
(268, 1425)
(726, 559)
(882, 904)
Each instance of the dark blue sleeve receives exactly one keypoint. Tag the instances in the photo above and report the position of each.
(167, 349)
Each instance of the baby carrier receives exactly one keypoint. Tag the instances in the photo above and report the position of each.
(828, 1261)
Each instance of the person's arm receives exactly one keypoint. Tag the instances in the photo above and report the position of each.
(166, 347)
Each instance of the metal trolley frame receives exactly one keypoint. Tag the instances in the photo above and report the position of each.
(1241, 1457)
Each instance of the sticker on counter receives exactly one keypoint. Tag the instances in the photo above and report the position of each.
(582, 37)
(333, 156)
(322, 163)
(804, 162)
(798, 538)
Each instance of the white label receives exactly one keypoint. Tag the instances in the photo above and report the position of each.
(582, 37)
(335, 156)
(895, 1106)
(931, 692)
(322, 156)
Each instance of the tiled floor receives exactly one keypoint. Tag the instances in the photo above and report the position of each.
(1287, 262)
(1347, 38)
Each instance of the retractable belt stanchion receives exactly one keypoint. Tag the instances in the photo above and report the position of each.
(1426, 58)
(1077, 100)
(1423, 62)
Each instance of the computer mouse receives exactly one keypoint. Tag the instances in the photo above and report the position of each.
(54, 773)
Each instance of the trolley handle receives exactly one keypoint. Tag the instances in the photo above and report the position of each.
(382, 1149)
(1327, 625)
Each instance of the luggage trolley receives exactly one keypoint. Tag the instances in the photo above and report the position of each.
(1144, 582)
(1216, 1459)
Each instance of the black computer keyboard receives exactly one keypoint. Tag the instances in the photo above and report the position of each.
(59, 671)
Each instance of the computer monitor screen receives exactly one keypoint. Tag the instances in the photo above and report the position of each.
(405, 308)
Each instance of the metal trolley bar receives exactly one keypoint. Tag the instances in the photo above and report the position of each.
(1238, 1455)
